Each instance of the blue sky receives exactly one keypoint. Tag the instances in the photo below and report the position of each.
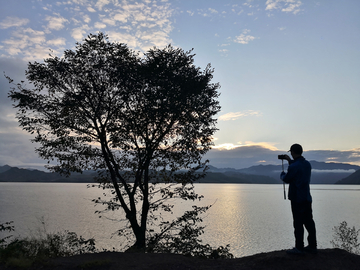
(289, 70)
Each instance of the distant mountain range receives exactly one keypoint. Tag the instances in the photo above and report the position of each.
(14, 174)
(353, 179)
(323, 173)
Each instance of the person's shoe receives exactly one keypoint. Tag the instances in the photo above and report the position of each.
(311, 250)
(295, 251)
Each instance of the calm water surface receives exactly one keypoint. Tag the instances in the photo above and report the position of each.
(251, 218)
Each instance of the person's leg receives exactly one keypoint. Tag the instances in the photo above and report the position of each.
(297, 211)
(310, 226)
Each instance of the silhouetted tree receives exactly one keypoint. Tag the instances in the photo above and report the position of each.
(137, 120)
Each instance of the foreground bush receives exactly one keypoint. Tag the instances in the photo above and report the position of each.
(182, 236)
(23, 252)
(346, 238)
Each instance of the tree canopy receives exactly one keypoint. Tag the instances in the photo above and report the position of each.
(137, 120)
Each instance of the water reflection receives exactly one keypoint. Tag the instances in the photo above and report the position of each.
(251, 218)
(247, 217)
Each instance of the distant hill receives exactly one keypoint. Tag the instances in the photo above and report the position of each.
(4, 168)
(332, 166)
(352, 179)
(323, 173)
(14, 174)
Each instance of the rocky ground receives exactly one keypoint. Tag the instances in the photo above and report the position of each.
(328, 259)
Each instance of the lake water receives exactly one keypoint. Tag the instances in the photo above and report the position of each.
(251, 218)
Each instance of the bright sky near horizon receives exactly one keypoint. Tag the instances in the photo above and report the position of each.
(289, 70)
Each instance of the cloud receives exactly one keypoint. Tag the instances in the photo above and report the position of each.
(206, 13)
(213, 11)
(121, 17)
(230, 146)
(284, 5)
(56, 22)
(159, 37)
(127, 38)
(348, 156)
(86, 18)
(226, 146)
(80, 32)
(108, 21)
(57, 41)
(27, 42)
(99, 25)
(101, 3)
(250, 154)
(90, 9)
(231, 116)
(244, 38)
(144, 24)
(13, 22)
(241, 156)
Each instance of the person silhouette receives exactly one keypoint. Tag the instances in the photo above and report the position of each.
(298, 177)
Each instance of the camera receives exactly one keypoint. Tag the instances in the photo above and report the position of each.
(281, 156)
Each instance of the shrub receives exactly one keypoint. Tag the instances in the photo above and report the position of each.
(51, 245)
(346, 238)
(5, 227)
(182, 236)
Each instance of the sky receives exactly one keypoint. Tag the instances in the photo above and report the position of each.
(289, 70)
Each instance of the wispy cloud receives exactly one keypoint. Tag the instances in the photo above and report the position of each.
(214, 11)
(80, 32)
(292, 6)
(99, 25)
(244, 38)
(226, 146)
(86, 18)
(230, 146)
(144, 24)
(101, 3)
(231, 116)
(207, 12)
(57, 41)
(28, 42)
(56, 22)
(13, 22)
(121, 17)
(90, 9)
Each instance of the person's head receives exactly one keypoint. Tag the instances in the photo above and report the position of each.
(296, 150)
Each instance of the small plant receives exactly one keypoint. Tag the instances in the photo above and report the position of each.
(26, 251)
(5, 227)
(182, 236)
(346, 238)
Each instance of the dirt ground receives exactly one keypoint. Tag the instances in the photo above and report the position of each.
(327, 259)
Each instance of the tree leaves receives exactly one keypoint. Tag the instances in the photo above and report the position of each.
(141, 120)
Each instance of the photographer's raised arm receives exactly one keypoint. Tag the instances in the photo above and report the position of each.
(288, 158)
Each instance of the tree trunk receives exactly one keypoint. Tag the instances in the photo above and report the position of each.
(139, 232)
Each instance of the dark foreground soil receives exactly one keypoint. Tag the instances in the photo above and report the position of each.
(327, 259)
